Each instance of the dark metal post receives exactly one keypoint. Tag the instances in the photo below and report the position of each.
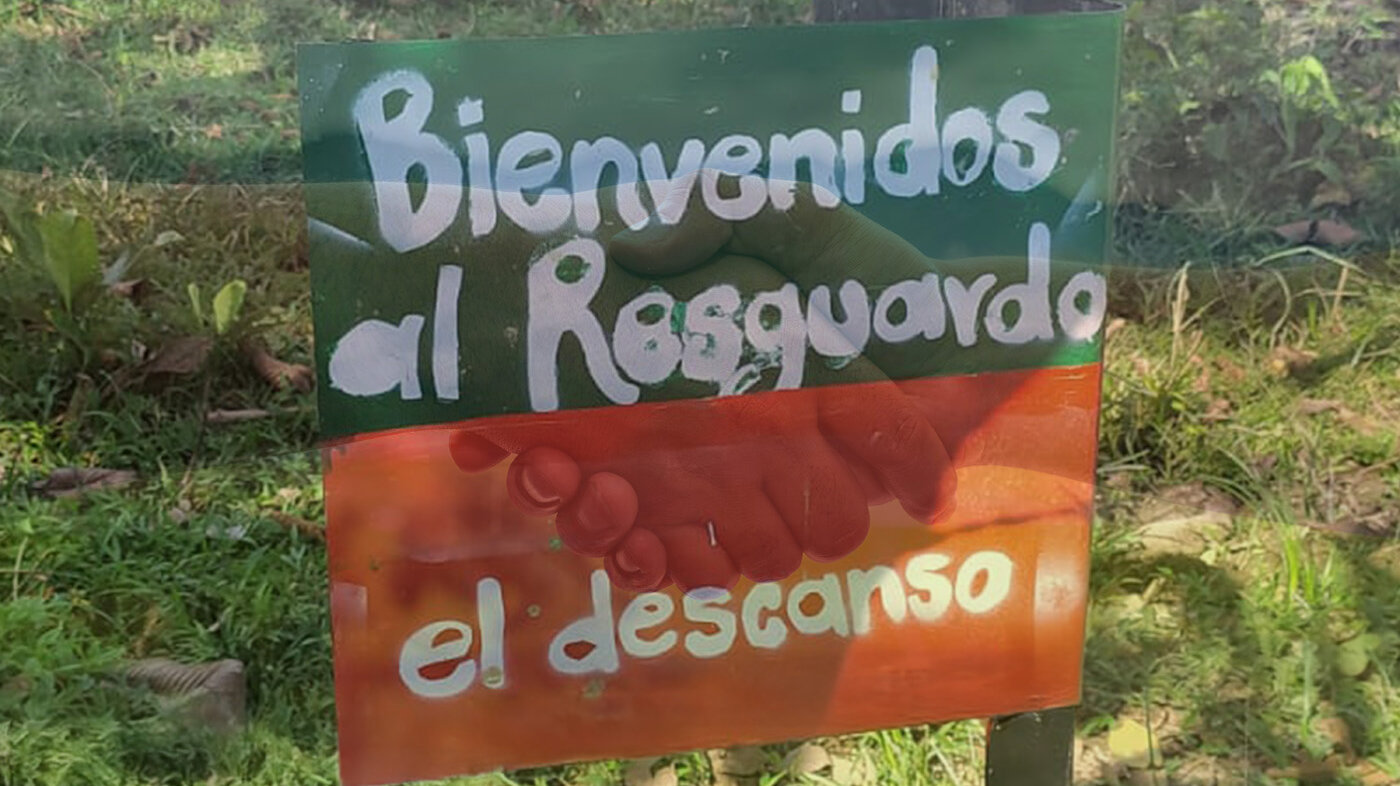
(1031, 749)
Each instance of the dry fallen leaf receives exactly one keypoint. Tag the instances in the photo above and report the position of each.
(806, 759)
(1287, 361)
(1316, 406)
(1329, 194)
(74, 481)
(639, 773)
(743, 760)
(1358, 422)
(277, 373)
(1230, 370)
(1334, 729)
(214, 131)
(1203, 770)
(1325, 771)
(1186, 499)
(718, 775)
(1326, 232)
(1147, 778)
(1374, 526)
(220, 416)
(1218, 411)
(297, 524)
(180, 357)
(1188, 536)
(1370, 774)
(856, 771)
(134, 289)
(1386, 559)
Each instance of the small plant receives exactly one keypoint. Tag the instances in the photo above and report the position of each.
(61, 243)
(226, 310)
(1303, 88)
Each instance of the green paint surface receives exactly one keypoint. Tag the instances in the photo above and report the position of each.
(667, 88)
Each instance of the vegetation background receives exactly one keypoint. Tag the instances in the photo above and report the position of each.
(154, 314)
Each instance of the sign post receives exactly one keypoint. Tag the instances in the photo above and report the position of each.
(711, 388)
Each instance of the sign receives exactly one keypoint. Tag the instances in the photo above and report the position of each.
(793, 337)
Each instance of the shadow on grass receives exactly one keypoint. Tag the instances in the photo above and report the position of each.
(1200, 644)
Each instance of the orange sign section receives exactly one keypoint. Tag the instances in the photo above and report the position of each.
(468, 638)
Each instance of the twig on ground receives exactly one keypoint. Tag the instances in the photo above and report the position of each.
(300, 525)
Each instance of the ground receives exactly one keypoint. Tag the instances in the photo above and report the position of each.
(1246, 561)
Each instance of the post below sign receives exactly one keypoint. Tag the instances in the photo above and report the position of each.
(697, 389)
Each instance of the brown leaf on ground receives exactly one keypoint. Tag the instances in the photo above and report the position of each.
(1090, 760)
(75, 481)
(1188, 536)
(853, 771)
(1202, 770)
(1348, 417)
(1147, 778)
(1230, 370)
(1386, 559)
(718, 776)
(277, 373)
(1336, 233)
(1307, 772)
(1287, 361)
(134, 290)
(1370, 774)
(221, 416)
(1334, 729)
(1326, 232)
(742, 760)
(180, 357)
(1357, 501)
(639, 773)
(806, 759)
(1218, 411)
(1202, 382)
(299, 525)
(1187, 499)
(1361, 424)
(1316, 406)
(1329, 194)
(1372, 526)
(214, 131)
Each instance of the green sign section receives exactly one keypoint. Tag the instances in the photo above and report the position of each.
(534, 225)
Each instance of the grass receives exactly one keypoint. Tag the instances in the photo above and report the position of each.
(1272, 384)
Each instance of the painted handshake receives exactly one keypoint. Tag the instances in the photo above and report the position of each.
(700, 492)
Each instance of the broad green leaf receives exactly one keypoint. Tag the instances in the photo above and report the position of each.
(69, 252)
(195, 305)
(20, 225)
(228, 304)
(1355, 655)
